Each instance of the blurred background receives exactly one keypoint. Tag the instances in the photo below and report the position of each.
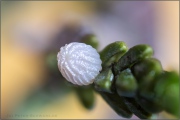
(31, 30)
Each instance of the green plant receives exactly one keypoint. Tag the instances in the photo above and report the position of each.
(131, 81)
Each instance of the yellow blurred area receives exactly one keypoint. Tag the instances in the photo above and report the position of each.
(23, 71)
(167, 33)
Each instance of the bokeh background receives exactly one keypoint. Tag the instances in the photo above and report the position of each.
(29, 30)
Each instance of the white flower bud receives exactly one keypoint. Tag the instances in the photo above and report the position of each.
(79, 63)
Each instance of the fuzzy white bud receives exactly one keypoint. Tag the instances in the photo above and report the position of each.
(79, 63)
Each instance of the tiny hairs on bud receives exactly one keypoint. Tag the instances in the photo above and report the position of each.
(79, 63)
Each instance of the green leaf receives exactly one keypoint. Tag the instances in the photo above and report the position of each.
(117, 104)
(86, 96)
(150, 106)
(111, 52)
(136, 108)
(146, 72)
(134, 55)
(126, 84)
(167, 91)
(104, 81)
(90, 39)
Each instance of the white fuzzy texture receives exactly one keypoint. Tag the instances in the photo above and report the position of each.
(79, 63)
